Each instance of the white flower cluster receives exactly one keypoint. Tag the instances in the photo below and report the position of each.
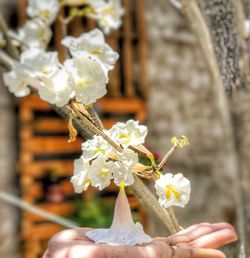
(107, 13)
(101, 163)
(36, 31)
(82, 77)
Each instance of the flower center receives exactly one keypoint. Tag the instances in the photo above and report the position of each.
(170, 189)
(83, 84)
(102, 151)
(125, 138)
(104, 173)
(109, 10)
(96, 52)
(45, 14)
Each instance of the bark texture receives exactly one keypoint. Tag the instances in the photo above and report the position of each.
(8, 214)
(218, 160)
(181, 87)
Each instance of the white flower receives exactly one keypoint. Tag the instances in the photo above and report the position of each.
(122, 169)
(130, 133)
(92, 44)
(173, 190)
(89, 79)
(45, 9)
(96, 3)
(96, 147)
(109, 15)
(16, 81)
(100, 174)
(80, 179)
(128, 157)
(37, 63)
(123, 230)
(35, 33)
(57, 88)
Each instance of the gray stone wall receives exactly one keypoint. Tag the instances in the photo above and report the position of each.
(8, 214)
(181, 102)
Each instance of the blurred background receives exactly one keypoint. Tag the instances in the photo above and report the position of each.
(162, 80)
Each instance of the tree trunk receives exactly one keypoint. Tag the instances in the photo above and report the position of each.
(223, 23)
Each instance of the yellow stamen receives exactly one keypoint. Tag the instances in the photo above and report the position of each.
(99, 150)
(170, 189)
(108, 10)
(96, 52)
(83, 84)
(104, 173)
(45, 14)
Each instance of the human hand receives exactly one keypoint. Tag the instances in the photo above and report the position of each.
(197, 241)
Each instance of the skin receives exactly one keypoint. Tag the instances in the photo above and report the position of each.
(197, 241)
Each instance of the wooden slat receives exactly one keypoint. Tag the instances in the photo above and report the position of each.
(58, 36)
(114, 85)
(52, 125)
(38, 168)
(121, 105)
(108, 123)
(61, 209)
(142, 47)
(50, 145)
(21, 12)
(43, 231)
(127, 51)
(36, 190)
(35, 103)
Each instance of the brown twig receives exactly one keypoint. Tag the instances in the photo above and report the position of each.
(164, 160)
(11, 49)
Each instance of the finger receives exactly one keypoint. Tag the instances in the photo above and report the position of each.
(195, 233)
(215, 239)
(196, 253)
(215, 226)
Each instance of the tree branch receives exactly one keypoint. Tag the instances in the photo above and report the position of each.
(140, 190)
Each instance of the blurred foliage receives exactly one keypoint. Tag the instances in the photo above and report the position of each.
(93, 214)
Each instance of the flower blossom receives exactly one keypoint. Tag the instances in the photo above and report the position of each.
(173, 190)
(100, 174)
(89, 79)
(96, 147)
(123, 230)
(122, 168)
(35, 33)
(16, 81)
(92, 45)
(37, 63)
(108, 14)
(129, 133)
(46, 10)
(80, 178)
(57, 88)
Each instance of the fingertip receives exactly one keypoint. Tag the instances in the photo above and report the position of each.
(201, 253)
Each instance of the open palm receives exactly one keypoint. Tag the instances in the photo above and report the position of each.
(197, 241)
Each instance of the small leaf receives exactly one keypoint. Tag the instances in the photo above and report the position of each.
(140, 168)
(141, 148)
(80, 107)
(72, 131)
